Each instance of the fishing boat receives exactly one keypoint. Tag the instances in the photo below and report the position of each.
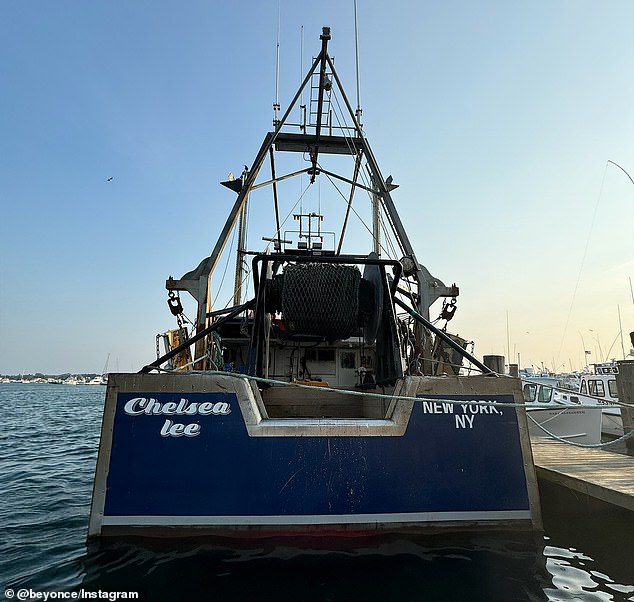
(327, 403)
(553, 414)
(599, 387)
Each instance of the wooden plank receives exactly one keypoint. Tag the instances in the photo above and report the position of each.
(595, 472)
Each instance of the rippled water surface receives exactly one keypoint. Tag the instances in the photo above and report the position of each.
(49, 436)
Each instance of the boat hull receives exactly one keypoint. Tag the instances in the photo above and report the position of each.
(577, 424)
(612, 422)
(197, 454)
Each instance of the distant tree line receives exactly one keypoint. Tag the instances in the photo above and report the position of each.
(40, 375)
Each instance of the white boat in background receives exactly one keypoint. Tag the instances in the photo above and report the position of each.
(600, 388)
(550, 411)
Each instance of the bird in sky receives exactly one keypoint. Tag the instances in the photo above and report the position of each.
(109, 179)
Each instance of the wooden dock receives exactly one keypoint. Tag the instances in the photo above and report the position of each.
(600, 474)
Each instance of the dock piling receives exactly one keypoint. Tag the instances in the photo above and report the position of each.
(494, 362)
(625, 384)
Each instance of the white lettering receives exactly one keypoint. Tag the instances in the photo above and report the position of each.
(191, 430)
(169, 407)
(469, 410)
(206, 407)
(165, 429)
(463, 422)
(434, 407)
(221, 408)
(479, 409)
(191, 408)
(130, 407)
(152, 407)
(171, 429)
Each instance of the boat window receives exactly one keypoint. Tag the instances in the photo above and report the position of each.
(530, 392)
(347, 360)
(583, 387)
(612, 390)
(595, 387)
(545, 394)
(320, 355)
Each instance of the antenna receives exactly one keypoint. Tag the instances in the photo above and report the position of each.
(356, 44)
(632, 294)
(276, 105)
(302, 108)
(621, 331)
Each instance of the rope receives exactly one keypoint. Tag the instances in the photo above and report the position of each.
(469, 402)
(624, 437)
(271, 381)
(366, 394)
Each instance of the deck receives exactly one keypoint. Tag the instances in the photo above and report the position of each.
(600, 474)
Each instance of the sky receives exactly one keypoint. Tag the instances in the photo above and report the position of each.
(497, 119)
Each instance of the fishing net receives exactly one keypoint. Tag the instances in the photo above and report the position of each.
(321, 299)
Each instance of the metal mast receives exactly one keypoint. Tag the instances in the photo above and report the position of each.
(197, 282)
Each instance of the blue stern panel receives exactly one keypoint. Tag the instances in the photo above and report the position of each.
(184, 457)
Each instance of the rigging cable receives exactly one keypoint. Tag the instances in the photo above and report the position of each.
(339, 114)
(353, 209)
(583, 261)
(363, 177)
(250, 268)
(224, 273)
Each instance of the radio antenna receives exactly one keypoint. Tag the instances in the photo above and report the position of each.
(356, 44)
(301, 75)
(276, 105)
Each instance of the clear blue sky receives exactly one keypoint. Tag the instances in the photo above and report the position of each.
(496, 118)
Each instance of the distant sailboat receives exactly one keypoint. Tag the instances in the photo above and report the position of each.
(103, 378)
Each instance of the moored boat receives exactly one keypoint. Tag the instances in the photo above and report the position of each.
(552, 414)
(327, 403)
(599, 387)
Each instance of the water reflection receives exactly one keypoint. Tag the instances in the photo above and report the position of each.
(584, 535)
(46, 481)
(430, 568)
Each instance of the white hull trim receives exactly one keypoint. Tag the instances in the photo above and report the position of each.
(330, 519)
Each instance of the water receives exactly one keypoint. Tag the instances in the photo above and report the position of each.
(49, 438)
